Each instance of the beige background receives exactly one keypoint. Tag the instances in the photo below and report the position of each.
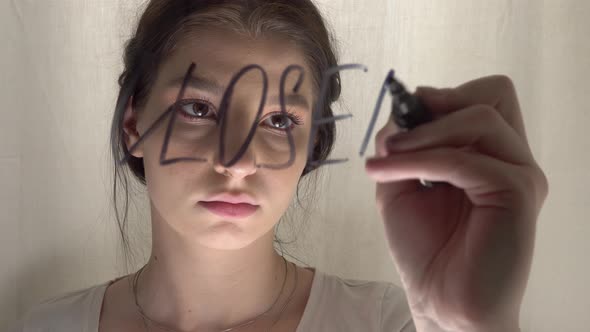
(58, 71)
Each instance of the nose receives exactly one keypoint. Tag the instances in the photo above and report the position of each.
(233, 145)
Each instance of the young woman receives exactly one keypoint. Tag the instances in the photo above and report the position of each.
(463, 248)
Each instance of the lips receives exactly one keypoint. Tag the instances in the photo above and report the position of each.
(229, 210)
(234, 198)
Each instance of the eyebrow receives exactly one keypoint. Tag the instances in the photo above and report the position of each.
(292, 99)
(212, 86)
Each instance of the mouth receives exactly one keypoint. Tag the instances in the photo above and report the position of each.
(229, 210)
(234, 198)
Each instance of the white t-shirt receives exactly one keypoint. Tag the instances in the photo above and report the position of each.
(334, 305)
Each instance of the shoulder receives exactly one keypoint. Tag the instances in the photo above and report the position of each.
(371, 305)
(76, 310)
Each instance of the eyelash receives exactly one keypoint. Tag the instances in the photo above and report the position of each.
(296, 119)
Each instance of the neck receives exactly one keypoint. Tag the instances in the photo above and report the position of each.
(186, 286)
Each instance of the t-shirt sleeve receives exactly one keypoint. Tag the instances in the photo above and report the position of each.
(16, 326)
(72, 311)
(395, 312)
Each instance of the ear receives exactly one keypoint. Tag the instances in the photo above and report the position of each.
(130, 128)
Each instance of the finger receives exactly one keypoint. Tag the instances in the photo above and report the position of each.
(381, 151)
(478, 174)
(477, 126)
(497, 91)
(381, 137)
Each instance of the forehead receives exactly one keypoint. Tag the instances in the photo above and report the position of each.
(222, 54)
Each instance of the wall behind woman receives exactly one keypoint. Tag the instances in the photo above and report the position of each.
(58, 70)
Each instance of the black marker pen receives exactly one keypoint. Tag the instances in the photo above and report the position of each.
(408, 111)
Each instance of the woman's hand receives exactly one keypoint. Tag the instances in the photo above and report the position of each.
(464, 248)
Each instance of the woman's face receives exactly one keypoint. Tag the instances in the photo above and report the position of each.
(177, 191)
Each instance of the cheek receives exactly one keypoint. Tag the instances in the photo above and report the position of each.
(282, 186)
(160, 179)
(167, 183)
(174, 189)
(302, 142)
(282, 183)
(301, 151)
(152, 135)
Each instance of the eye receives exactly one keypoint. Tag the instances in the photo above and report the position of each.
(281, 121)
(278, 121)
(196, 109)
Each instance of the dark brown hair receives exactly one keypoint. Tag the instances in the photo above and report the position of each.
(165, 22)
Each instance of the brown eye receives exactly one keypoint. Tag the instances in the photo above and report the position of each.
(279, 121)
(196, 109)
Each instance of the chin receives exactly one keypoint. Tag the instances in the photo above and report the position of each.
(226, 236)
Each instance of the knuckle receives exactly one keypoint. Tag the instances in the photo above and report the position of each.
(457, 162)
(503, 82)
(535, 182)
(543, 182)
(485, 114)
(546, 182)
(527, 181)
